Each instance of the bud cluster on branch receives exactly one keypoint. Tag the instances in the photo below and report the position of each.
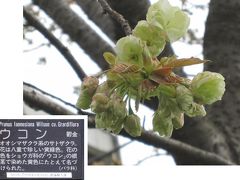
(136, 73)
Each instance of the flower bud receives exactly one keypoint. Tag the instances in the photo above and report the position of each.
(108, 121)
(117, 124)
(169, 18)
(132, 125)
(152, 35)
(208, 87)
(196, 110)
(178, 121)
(129, 50)
(184, 98)
(84, 99)
(90, 83)
(99, 103)
(167, 90)
(105, 88)
(186, 103)
(87, 90)
(162, 122)
(101, 121)
(118, 106)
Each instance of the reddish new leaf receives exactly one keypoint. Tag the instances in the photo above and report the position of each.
(123, 68)
(162, 71)
(184, 62)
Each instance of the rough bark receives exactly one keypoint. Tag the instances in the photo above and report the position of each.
(77, 29)
(57, 43)
(40, 102)
(219, 132)
(223, 31)
(133, 11)
(95, 13)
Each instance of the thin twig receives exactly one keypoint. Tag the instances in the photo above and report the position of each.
(61, 48)
(57, 98)
(118, 17)
(149, 157)
(102, 156)
(34, 48)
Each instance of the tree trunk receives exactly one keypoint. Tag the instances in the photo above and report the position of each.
(219, 132)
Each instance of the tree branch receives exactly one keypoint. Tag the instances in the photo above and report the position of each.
(34, 99)
(118, 17)
(133, 11)
(61, 48)
(78, 30)
(95, 13)
(50, 95)
(38, 101)
(102, 156)
(176, 147)
(149, 157)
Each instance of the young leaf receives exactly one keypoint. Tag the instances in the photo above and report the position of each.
(184, 62)
(110, 58)
(162, 71)
(160, 78)
(123, 68)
